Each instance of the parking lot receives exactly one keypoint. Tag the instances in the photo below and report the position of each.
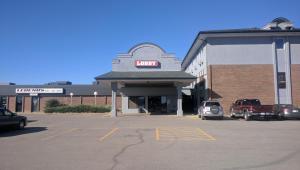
(96, 141)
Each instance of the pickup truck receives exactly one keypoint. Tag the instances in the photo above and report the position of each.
(250, 109)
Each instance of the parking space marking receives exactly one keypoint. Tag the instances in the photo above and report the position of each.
(182, 133)
(195, 117)
(202, 132)
(59, 134)
(108, 134)
(157, 134)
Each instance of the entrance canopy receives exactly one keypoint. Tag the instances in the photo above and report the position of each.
(148, 79)
(147, 91)
(165, 76)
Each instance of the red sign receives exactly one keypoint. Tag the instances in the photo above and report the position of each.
(146, 63)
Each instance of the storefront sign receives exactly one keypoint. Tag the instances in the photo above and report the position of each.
(146, 63)
(38, 90)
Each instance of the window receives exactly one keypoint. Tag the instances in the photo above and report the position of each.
(279, 43)
(5, 112)
(212, 104)
(135, 102)
(281, 80)
(3, 102)
(19, 104)
(254, 102)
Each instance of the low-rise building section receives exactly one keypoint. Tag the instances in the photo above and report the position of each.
(246, 63)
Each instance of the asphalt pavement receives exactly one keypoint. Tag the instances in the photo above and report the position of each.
(98, 142)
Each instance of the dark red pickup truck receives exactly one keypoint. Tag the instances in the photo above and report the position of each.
(250, 109)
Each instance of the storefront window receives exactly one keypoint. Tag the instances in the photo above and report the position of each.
(19, 104)
(136, 102)
(3, 102)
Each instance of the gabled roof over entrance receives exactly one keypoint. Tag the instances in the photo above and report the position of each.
(154, 75)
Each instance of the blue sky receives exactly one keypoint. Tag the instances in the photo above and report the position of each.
(76, 40)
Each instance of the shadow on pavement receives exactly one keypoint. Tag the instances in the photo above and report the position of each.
(7, 132)
(30, 121)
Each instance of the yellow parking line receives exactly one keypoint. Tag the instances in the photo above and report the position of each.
(157, 134)
(63, 133)
(108, 134)
(206, 134)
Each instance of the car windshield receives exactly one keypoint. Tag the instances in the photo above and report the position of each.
(212, 104)
(251, 102)
(5, 112)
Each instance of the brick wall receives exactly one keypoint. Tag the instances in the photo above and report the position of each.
(119, 101)
(27, 104)
(12, 103)
(43, 101)
(295, 74)
(76, 100)
(232, 82)
(90, 100)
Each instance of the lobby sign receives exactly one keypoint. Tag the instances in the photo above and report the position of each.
(39, 90)
(146, 63)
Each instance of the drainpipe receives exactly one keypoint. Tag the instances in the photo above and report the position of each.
(211, 86)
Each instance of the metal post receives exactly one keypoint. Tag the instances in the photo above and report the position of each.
(114, 87)
(71, 95)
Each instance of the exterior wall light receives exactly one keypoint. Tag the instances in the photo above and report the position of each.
(95, 94)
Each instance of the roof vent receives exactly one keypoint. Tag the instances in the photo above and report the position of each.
(7, 83)
(59, 83)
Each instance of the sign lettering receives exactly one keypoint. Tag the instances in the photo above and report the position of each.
(146, 63)
(38, 90)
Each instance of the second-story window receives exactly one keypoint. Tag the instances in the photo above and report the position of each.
(279, 43)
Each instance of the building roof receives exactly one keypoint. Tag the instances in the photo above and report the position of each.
(247, 30)
(159, 75)
(82, 90)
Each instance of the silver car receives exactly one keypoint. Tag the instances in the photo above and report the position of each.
(210, 109)
(287, 111)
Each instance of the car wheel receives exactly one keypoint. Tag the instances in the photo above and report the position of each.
(232, 115)
(246, 116)
(21, 125)
(280, 118)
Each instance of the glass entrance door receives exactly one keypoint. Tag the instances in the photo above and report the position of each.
(19, 104)
(157, 104)
(34, 104)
